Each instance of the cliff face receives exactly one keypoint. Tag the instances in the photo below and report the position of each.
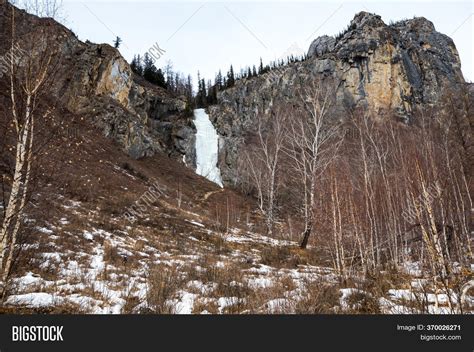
(394, 66)
(142, 117)
(381, 68)
(95, 82)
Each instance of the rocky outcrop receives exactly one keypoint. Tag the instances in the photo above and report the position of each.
(396, 66)
(95, 82)
(322, 45)
(142, 117)
(385, 69)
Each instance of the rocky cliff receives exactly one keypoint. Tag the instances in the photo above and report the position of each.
(385, 69)
(381, 68)
(95, 82)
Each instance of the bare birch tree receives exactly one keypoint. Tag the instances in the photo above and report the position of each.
(314, 138)
(27, 77)
(41, 8)
(262, 162)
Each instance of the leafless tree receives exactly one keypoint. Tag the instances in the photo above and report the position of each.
(28, 76)
(41, 8)
(262, 161)
(313, 140)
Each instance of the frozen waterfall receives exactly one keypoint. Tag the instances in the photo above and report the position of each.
(206, 147)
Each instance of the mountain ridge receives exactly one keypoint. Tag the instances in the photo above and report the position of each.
(383, 69)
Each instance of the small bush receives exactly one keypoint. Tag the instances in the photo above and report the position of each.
(163, 282)
(111, 255)
(320, 299)
(275, 255)
(363, 303)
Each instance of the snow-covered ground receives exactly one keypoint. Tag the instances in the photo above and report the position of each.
(99, 287)
(206, 147)
(101, 271)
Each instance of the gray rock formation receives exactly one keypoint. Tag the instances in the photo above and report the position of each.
(382, 68)
(141, 117)
(95, 82)
(321, 45)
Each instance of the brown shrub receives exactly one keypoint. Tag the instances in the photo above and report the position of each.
(275, 255)
(320, 298)
(363, 303)
(163, 282)
(111, 254)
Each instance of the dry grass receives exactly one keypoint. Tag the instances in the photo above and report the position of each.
(363, 303)
(319, 298)
(163, 283)
(67, 308)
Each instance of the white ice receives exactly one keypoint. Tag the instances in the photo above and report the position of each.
(206, 147)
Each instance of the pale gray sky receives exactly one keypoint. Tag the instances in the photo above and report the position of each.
(206, 36)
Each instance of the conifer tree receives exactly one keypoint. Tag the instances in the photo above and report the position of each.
(151, 73)
(168, 71)
(136, 65)
(230, 77)
(189, 88)
(160, 78)
(117, 42)
(219, 83)
(203, 92)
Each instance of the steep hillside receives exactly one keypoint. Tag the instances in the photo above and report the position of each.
(95, 82)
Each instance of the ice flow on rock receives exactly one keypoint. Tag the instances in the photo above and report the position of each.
(206, 147)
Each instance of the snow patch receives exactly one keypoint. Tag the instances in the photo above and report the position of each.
(195, 223)
(36, 299)
(186, 303)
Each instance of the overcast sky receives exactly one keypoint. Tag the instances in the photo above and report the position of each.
(206, 36)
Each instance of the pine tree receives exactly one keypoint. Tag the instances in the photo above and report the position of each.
(177, 84)
(214, 95)
(160, 78)
(136, 65)
(117, 42)
(148, 68)
(230, 77)
(198, 95)
(201, 96)
(218, 81)
(169, 77)
(209, 93)
(203, 93)
(260, 68)
(254, 71)
(189, 88)
(151, 73)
